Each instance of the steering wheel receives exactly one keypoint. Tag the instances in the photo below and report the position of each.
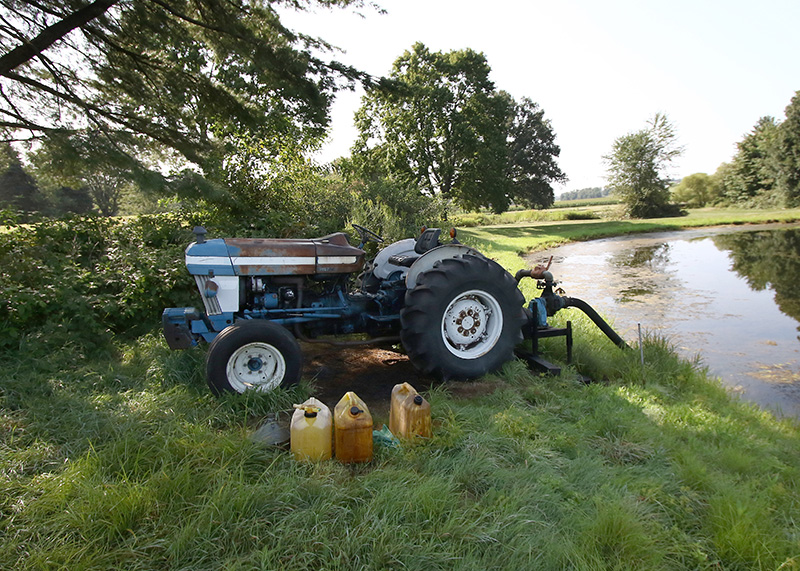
(366, 234)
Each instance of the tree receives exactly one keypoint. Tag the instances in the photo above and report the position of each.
(72, 200)
(751, 177)
(18, 189)
(697, 190)
(440, 124)
(788, 155)
(532, 153)
(637, 168)
(133, 80)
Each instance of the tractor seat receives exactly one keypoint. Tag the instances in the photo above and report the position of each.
(403, 261)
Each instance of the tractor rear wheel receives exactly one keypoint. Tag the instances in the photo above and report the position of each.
(463, 318)
(253, 355)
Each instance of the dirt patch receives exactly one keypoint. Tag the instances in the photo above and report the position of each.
(371, 373)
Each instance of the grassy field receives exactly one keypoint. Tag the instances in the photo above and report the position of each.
(123, 460)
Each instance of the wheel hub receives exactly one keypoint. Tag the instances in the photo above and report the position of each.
(254, 364)
(472, 324)
(465, 320)
(258, 366)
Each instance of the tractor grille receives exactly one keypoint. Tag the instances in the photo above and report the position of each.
(211, 303)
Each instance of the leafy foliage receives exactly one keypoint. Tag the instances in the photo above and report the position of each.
(584, 193)
(439, 124)
(764, 171)
(78, 280)
(697, 190)
(532, 151)
(788, 155)
(18, 190)
(637, 168)
(751, 176)
(142, 83)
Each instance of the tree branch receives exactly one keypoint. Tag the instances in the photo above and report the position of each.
(51, 34)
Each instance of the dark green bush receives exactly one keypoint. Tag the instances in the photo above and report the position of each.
(80, 279)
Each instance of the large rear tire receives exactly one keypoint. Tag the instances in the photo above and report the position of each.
(253, 355)
(463, 318)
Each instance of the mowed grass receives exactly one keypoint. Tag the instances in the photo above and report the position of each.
(125, 461)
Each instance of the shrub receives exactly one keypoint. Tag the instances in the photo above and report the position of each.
(80, 279)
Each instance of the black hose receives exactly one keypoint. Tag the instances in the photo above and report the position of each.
(599, 321)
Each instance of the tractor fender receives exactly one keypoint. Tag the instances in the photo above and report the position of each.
(427, 260)
(383, 268)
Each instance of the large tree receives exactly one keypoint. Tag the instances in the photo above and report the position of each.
(18, 189)
(440, 124)
(752, 172)
(638, 168)
(532, 150)
(788, 155)
(697, 190)
(137, 82)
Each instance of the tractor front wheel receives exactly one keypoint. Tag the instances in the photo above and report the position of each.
(253, 355)
(462, 319)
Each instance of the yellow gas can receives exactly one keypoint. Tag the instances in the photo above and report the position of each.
(409, 413)
(352, 428)
(310, 431)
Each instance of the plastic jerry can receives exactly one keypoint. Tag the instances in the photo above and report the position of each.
(409, 413)
(311, 437)
(352, 429)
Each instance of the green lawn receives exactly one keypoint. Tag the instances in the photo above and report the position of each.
(123, 460)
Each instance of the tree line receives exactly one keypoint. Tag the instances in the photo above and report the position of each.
(585, 193)
(764, 171)
(220, 106)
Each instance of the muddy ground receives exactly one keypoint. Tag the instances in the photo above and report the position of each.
(370, 372)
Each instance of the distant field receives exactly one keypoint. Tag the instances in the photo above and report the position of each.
(585, 202)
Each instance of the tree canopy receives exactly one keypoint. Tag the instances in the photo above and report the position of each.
(697, 190)
(440, 124)
(637, 168)
(137, 83)
(788, 154)
(752, 171)
(765, 171)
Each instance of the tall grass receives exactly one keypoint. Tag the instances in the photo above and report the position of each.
(123, 460)
(131, 464)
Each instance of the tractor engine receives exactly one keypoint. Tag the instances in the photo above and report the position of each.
(302, 285)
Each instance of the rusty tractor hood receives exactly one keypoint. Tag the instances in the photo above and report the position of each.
(330, 254)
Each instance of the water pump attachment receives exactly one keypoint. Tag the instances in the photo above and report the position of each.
(554, 302)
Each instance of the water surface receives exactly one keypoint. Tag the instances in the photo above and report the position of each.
(731, 295)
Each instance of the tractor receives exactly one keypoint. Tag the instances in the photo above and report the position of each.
(457, 314)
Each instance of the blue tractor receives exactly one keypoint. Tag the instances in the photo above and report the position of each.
(456, 313)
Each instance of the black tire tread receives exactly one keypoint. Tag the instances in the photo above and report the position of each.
(241, 333)
(422, 316)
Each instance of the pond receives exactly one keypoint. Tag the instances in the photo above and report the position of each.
(730, 295)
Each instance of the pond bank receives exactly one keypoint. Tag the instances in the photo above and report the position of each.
(723, 294)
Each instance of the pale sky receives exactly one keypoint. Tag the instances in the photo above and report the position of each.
(598, 69)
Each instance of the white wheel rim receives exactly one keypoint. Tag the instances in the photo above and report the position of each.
(255, 366)
(472, 324)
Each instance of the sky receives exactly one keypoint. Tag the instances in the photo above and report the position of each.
(599, 70)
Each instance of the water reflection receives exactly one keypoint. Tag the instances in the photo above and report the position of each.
(728, 294)
(655, 257)
(768, 260)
